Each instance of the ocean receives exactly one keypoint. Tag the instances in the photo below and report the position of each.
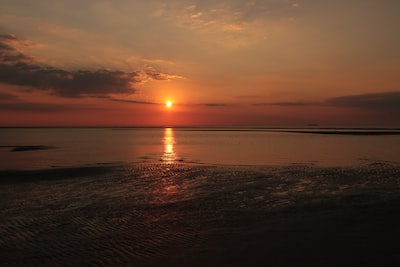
(40, 148)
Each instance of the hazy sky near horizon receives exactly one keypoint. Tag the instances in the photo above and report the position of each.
(236, 62)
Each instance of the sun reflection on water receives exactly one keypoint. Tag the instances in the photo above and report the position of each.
(169, 187)
(169, 155)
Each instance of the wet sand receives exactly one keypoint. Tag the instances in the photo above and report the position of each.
(193, 215)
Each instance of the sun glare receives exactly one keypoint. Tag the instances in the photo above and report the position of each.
(168, 104)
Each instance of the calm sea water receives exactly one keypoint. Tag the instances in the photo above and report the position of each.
(88, 146)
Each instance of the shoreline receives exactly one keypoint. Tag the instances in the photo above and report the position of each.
(195, 215)
(70, 170)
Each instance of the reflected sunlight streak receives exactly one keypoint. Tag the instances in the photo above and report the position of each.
(169, 155)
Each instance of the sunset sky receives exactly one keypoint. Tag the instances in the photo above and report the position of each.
(232, 62)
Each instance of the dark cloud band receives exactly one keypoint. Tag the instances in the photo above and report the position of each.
(384, 101)
(16, 68)
(375, 101)
(67, 83)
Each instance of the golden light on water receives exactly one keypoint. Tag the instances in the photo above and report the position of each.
(169, 155)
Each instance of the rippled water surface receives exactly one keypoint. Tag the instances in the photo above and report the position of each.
(30, 148)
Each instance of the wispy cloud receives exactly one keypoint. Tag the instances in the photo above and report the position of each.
(249, 97)
(5, 46)
(9, 102)
(17, 68)
(233, 23)
(13, 103)
(7, 97)
(40, 107)
(10, 51)
(289, 104)
(372, 101)
(140, 102)
(375, 101)
(382, 101)
(214, 105)
(295, 5)
(131, 101)
(151, 72)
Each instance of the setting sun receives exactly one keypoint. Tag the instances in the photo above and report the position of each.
(168, 104)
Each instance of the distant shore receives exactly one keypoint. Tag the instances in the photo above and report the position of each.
(200, 215)
(346, 132)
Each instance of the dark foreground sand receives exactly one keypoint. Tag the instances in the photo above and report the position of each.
(187, 215)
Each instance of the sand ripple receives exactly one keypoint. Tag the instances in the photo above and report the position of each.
(160, 214)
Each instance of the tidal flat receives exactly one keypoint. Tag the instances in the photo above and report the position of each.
(158, 214)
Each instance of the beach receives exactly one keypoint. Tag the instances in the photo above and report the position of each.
(180, 214)
(200, 133)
